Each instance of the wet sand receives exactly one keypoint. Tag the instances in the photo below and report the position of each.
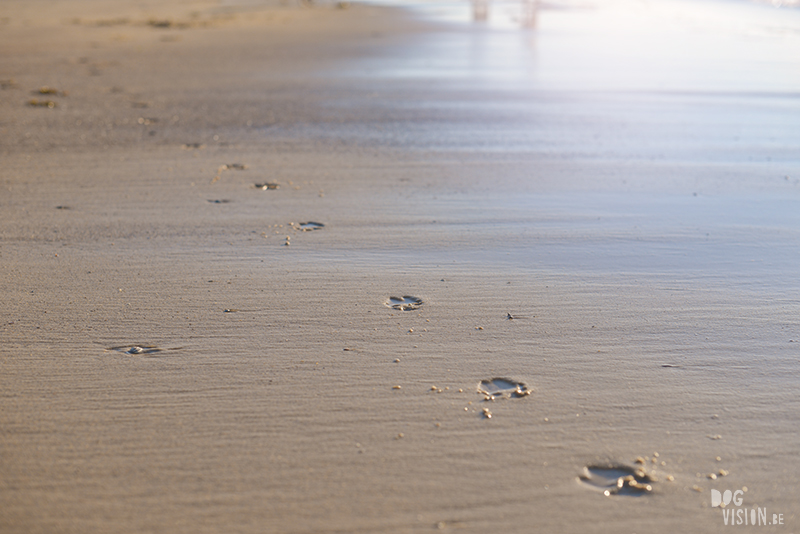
(625, 244)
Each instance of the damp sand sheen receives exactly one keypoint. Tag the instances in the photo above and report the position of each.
(320, 267)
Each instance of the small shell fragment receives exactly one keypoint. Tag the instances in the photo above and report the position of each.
(42, 103)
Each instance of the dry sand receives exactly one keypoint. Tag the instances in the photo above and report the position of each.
(645, 242)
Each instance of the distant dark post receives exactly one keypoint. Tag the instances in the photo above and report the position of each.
(480, 10)
(529, 12)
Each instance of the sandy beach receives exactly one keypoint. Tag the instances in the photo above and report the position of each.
(208, 210)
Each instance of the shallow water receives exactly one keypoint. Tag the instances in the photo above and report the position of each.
(710, 82)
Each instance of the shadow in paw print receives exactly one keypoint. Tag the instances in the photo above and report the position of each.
(503, 387)
(308, 226)
(617, 479)
(140, 349)
(406, 303)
